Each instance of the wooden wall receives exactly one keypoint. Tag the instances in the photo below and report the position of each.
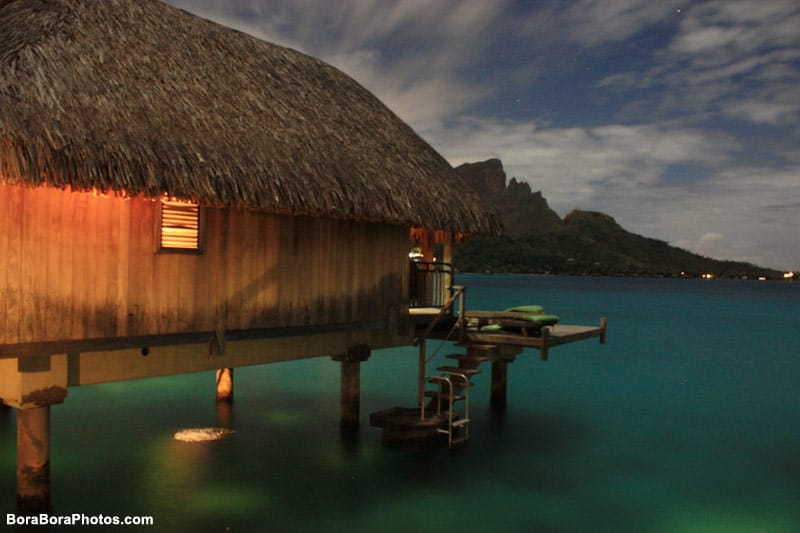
(80, 266)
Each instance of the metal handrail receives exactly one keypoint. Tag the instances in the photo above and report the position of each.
(466, 409)
(420, 341)
(441, 380)
(449, 303)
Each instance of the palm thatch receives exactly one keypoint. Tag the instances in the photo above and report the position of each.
(140, 98)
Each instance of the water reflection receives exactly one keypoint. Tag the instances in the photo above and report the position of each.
(202, 434)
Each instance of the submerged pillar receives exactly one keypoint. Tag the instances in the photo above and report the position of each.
(224, 414)
(350, 402)
(350, 405)
(506, 354)
(225, 385)
(499, 384)
(33, 460)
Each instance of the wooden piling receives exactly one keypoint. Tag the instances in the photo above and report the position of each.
(350, 403)
(33, 460)
(224, 414)
(499, 384)
(603, 328)
(498, 396)
(544, 346)
(351, 398)
(225, 385)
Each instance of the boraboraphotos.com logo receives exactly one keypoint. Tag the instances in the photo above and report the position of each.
(77, 519)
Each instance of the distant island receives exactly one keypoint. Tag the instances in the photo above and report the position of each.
(538, 241)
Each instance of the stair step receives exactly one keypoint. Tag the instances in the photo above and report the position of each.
(456, 370)
(459, 440)
(478, 346)
(461, 422)
(475, 359)
(435, 394)
(456, 384)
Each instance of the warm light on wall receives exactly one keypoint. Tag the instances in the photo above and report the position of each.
(97, 193)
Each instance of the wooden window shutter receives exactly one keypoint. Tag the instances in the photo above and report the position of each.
(180, 225)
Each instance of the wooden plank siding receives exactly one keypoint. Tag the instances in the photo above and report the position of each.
(79, 266)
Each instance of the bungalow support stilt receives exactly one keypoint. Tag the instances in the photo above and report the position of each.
(31, 385)
(224, 414)
(33, 460)
(216, 348)
(225, 385)
(350, 403)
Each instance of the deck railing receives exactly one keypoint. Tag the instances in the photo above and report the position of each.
(430, 284)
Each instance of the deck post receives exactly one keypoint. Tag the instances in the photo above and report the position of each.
(421, 374)
(33, 460)
(543, 350)
(225, 385)
(506, 354)
(603, 328)
(499, 384)
(350, 403)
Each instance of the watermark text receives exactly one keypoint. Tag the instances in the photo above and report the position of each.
(77, 519)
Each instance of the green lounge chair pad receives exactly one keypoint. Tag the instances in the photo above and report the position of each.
(532, 309)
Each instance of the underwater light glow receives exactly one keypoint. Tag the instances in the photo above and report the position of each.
(202, 434)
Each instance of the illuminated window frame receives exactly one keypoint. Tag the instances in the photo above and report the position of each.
(179, 228)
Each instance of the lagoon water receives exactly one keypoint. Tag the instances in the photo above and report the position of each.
(687, 420)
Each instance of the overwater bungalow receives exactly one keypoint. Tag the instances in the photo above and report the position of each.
(177, 196)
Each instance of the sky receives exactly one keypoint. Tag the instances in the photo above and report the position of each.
(681, 119)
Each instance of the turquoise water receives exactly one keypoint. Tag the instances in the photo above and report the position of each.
(687, 420)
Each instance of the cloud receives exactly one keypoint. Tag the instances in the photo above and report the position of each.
(721, 31)
(595, 22)
(726, 59)
(627, 171)
(412, 55)
(577, 165)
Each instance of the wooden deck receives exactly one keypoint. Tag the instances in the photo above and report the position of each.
(518, 332)
(550, 336)
(423, 315)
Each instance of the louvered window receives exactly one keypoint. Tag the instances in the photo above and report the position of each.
(180, 225)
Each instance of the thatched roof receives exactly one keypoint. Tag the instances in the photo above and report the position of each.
(140, 97)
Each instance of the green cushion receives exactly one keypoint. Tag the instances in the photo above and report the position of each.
(525, 309)
(537, 320)
(541, 320)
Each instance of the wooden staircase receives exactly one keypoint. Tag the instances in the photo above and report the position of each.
(425, 426)
(452, 388)
(446, 417)
(443, 400)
